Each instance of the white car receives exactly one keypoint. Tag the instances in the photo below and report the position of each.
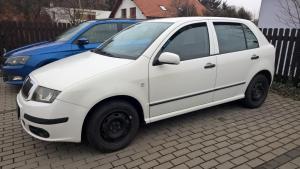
(151, 71)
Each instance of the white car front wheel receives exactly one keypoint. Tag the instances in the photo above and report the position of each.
(112, 126)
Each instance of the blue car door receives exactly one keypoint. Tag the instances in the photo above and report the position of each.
(95, 35)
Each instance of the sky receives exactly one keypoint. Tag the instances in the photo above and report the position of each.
(251, 5)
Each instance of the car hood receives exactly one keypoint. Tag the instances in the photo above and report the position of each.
(36, 49)
(63, 73)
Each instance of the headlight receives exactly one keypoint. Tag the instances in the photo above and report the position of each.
(45, 95)
(16, 60)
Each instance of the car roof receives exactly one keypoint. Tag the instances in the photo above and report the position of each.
(187, 19)
(114, 20)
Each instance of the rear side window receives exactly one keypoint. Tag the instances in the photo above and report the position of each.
(190, 42)
(251, 39)
(100, 33)
(231, 37)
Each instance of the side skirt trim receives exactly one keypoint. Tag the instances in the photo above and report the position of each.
(192, 109)
(196, 94)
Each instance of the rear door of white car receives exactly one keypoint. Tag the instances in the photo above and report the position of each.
(189, 84)
(237, 56)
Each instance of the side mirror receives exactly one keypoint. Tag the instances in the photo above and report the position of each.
(168, 58)
(82, 41)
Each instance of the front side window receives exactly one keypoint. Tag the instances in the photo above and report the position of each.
(133, 41)
(251, 39)
(100, 33)
(231, 37)
(69, 34)
(190, 42)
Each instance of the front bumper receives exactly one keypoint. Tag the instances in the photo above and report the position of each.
(61, 120)
(12, 74)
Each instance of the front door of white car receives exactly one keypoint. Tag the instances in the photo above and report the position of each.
(236, 59)
(174, 88)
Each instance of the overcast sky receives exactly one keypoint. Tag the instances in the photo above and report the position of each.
(251, 5)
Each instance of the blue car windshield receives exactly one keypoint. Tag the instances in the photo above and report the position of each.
(69, 34)
(133, 41)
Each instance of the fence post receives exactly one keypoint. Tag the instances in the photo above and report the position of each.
(297, 60)
(2, 39)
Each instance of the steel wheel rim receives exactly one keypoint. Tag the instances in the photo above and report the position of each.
(258, 91)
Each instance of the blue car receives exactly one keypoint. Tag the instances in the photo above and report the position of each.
(18, 63)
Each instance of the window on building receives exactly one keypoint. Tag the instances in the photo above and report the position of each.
(123, 13)
(133, 12)
(163, 8)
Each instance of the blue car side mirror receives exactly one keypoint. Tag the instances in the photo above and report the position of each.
(82, 41)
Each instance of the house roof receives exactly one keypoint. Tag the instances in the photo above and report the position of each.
(156, 8)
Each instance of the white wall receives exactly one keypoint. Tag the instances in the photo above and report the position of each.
(58, 14)
(61, 15)
(272, 14)
(127, 4)
(101, 14)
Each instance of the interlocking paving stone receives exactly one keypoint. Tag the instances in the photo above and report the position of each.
(282, 160)
(225, 136)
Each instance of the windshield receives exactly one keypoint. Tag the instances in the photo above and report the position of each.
(71, 32)
(133, 41)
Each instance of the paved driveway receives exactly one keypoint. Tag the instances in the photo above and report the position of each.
(221, 137)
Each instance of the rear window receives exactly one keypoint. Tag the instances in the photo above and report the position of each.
(251, 39)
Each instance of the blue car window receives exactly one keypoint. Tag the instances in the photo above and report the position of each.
(100, 33)
(71, 32)
(125, 25)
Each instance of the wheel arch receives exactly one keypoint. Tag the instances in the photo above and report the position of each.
(127, 98)
(266, 73)
(248, 101)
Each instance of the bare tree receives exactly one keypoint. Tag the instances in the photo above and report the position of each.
(242, 13)
(184, 8)
(213, 7)
(28, 10)
(222, 9)
(79, 10)
(290, 13)
(109, 4)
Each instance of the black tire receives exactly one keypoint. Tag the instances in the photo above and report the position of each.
(257, 91)
(112, 126)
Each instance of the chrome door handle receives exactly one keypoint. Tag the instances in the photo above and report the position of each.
(209, 66)
(254, 57)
